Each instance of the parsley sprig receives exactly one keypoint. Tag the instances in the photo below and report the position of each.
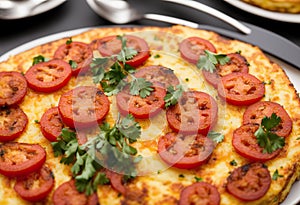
(126, 53)
(266, 138)
(113, 144)
(216, 136)
(141, 87)
(110, 149)
(209, 61)
(112, 80)
(39, 59)
(85, 168)
(173, 95)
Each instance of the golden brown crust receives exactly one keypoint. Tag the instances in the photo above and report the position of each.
(162, 186)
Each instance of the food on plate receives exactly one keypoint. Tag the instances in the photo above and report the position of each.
(285, 6)
(147, 115)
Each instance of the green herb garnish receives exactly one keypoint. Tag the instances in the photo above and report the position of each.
(69, 41)
(209, 61)
(198, 179)
(110, 149)
(215, 136)
(173, 95)
(266, 138)
(276, 175)
(233, 163)
(141, 87)
(73, 64)
(39, 59)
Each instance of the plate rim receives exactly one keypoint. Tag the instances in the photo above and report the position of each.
(284, 17)
(292, 198)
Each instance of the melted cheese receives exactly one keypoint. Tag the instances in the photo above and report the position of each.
(158, 183)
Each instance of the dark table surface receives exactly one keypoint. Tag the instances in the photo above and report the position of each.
(74, 14)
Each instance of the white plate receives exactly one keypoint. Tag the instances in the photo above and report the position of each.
(292, 199)
(48, 5)
(286, 17)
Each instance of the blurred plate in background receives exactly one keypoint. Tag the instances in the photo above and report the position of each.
(286, 17)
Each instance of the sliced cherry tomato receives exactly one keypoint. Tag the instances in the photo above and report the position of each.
(245, 143)
(76, 52)
(51, 124)
(158, 74)
(236, 64)
(20, 159)
(111, 45)
(191, 48)
(256, 112)
(141, 107)
(13, 88)
(116, 181)
(195, 112)
(48, 76)
(200, 193)
(83, 107)
(185, 151)
(35, 186)
(249, 182)
(241, 89)
(13, 123)
(67, 193)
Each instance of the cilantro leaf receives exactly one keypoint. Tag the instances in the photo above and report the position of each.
(98, 67)
(215, 136)
(39, 59)
(266, 138)
(69, 41)
(209, 61)
(173, 95)
(129, 128)
(73, 64)
(276, 175)
(126, 53)
(141, 87)
(271, 122)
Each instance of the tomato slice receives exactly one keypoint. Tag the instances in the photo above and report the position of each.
(185, 151)
(13, 88)
(111, 45)
(191, 48)
(195, 112)
(83, 107)
(236, 64)
(256, 112)
(67, 193)
(200, 193)
(116, 181)
(78, 52)
(48, 76)
(51, 124)
(141, 107)
(35, 186)
(13, 123)
(20, 159)
(158, 74)
(245, 143)
(249, 182)
(241, 89)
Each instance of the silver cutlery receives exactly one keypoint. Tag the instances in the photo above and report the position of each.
(13, 9)
(120, 12)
